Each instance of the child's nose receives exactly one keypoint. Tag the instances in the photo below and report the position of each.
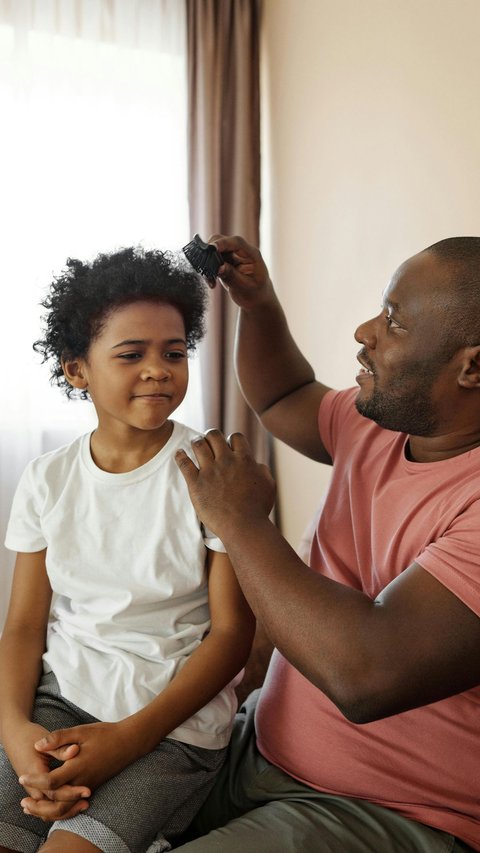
(155, 370)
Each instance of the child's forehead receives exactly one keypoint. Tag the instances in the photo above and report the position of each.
(153, 315)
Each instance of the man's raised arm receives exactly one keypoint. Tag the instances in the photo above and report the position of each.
(277, 381)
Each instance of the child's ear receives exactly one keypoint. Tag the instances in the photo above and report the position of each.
(75, 373)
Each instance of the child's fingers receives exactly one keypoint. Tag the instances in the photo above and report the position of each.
(52, 780)
(63, 753)
(53, 810)
(68, 793)
(59, 738)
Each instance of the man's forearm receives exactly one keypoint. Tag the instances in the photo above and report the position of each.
(318, 624)
(268, 363)
(415, 644)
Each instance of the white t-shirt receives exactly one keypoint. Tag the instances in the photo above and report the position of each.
(126, 561)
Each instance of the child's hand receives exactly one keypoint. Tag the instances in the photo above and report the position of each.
(66, 801)
(104, 750)
(244, 273)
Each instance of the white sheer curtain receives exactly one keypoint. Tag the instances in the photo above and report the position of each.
(92, 157)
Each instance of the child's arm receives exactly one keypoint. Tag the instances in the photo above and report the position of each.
(106, 748)
(21, 648)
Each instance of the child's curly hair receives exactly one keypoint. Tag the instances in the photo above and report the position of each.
(83, 296)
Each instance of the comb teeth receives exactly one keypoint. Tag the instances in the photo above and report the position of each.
(203, 257)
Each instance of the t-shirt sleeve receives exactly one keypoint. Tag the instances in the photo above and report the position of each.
(211, 541)
(24, 531)
(453, 558)
(336, 414)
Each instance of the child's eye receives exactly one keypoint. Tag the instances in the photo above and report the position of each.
(175, 355)
(130, 356)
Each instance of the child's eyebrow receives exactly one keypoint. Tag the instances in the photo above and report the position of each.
(132, 342)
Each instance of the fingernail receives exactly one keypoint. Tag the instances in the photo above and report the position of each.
(21, 779)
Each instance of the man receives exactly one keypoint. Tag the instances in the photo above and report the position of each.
(367, 732)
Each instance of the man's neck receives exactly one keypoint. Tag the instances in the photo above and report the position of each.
(440, 447)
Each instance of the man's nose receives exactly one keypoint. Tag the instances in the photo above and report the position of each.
(366, 333)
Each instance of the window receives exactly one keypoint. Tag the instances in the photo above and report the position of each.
(93, 157)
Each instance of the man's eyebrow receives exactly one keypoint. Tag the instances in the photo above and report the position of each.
(140, 341)
(393, 305)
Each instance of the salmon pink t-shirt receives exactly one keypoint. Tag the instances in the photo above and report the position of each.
(382, 513)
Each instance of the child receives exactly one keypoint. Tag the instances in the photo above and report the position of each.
(148, 628)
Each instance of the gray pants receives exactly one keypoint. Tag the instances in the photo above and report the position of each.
(257, 807)
(152, 800)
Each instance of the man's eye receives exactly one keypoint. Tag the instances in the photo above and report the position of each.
(390, 321)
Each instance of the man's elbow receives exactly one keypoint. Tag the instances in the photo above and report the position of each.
(364, 700)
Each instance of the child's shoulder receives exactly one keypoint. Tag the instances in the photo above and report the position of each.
(58, 459)
(182, 433)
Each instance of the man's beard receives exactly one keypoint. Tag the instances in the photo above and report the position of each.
(408, 406)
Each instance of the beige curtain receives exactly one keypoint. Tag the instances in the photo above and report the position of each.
(224, 178)
(224, 196)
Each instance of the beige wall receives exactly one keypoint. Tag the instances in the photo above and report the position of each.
(371, 152)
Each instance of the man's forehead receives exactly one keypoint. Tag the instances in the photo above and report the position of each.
(420, 276)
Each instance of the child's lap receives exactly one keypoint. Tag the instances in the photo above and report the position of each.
(159, 793)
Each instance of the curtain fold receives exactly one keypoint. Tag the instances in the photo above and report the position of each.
(224, 178)
(224, 197)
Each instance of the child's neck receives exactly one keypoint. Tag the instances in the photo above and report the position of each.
(125, 452)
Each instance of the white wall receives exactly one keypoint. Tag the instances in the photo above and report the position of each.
(372, 152)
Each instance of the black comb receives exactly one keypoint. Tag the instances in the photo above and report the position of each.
(203, 257)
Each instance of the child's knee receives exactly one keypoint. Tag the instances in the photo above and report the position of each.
(60, 840)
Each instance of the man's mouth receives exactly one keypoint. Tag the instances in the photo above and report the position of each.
(365, 368)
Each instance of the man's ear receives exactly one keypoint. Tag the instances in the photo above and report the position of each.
(75, 373)
(469, 375)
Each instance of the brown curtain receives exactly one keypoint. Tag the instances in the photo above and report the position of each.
(224, 196)
(224, 178)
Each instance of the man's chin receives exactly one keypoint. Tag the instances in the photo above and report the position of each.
(369, 409)
(363, 405)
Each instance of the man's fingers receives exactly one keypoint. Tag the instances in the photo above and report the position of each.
(238, 442)
(232, 245)
(187, 467)
(207, 448)
(217, 442)
(209, 445)
(219, 445)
